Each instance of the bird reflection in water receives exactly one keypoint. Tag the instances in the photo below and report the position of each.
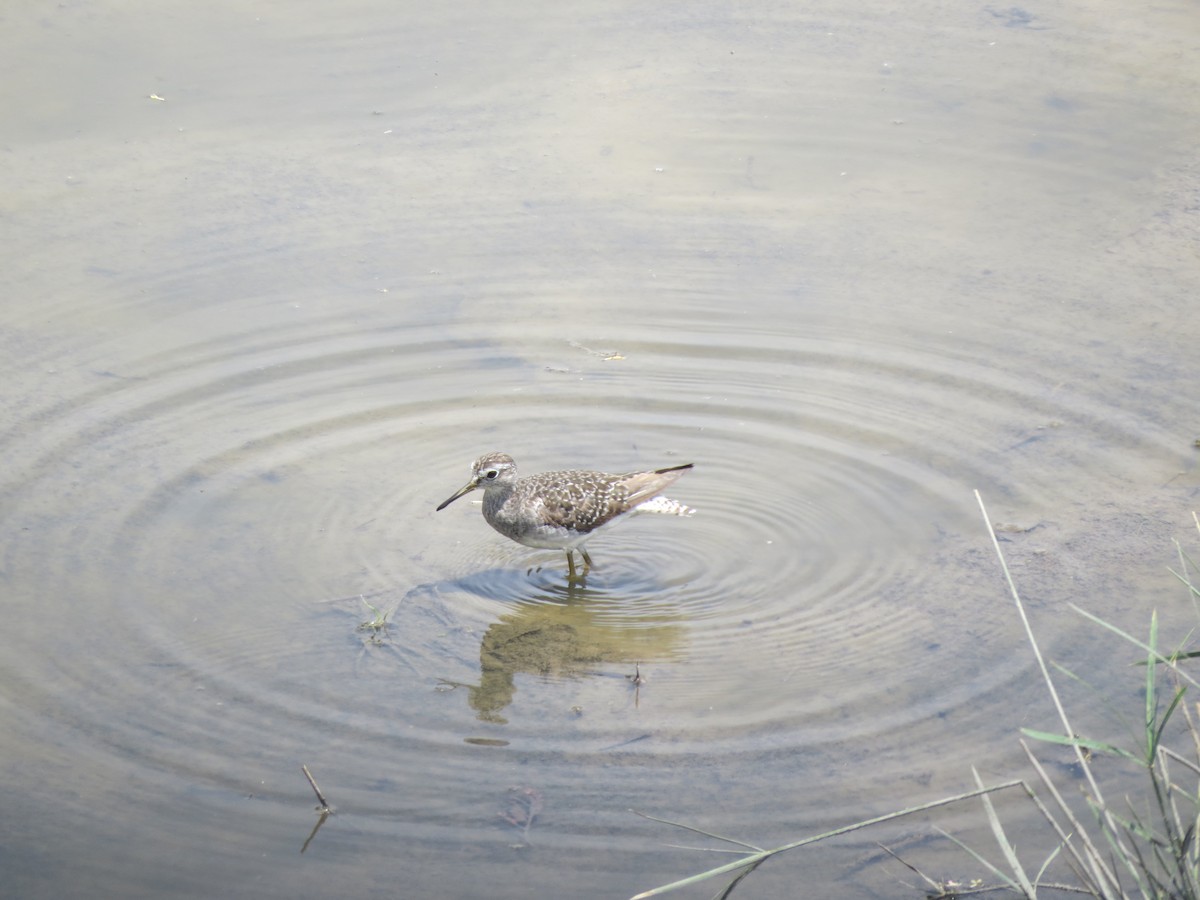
(556, 640)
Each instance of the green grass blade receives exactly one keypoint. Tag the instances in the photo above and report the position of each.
(1086, 743)
(998, 873)
(1046, 864)
(713, 835)
(1162, 723)
(1087, 862)
(1006, 847)
(755, 858)
(1158, 657)
(1151, 684)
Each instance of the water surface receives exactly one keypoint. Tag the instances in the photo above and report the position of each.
(274, 278)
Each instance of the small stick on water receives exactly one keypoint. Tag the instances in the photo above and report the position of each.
(638, 681)
(324, 807)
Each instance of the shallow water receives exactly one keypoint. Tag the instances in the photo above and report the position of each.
(852, 264)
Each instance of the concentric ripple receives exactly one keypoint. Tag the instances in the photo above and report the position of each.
(243, 481)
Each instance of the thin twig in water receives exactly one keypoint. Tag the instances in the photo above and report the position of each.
(324, 807)
(525, 805)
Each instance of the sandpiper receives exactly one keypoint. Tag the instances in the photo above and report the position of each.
(561, 510)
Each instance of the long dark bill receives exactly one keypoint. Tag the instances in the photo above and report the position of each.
(465, 489)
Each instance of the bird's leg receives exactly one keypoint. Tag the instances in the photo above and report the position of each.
(570, 565)
(587, 562)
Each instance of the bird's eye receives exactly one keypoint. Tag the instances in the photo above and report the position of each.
(490, 474)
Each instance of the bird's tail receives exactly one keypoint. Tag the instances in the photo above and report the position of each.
(665, 506)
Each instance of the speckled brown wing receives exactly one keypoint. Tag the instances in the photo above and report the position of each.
(580, 501)
(586, 500)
